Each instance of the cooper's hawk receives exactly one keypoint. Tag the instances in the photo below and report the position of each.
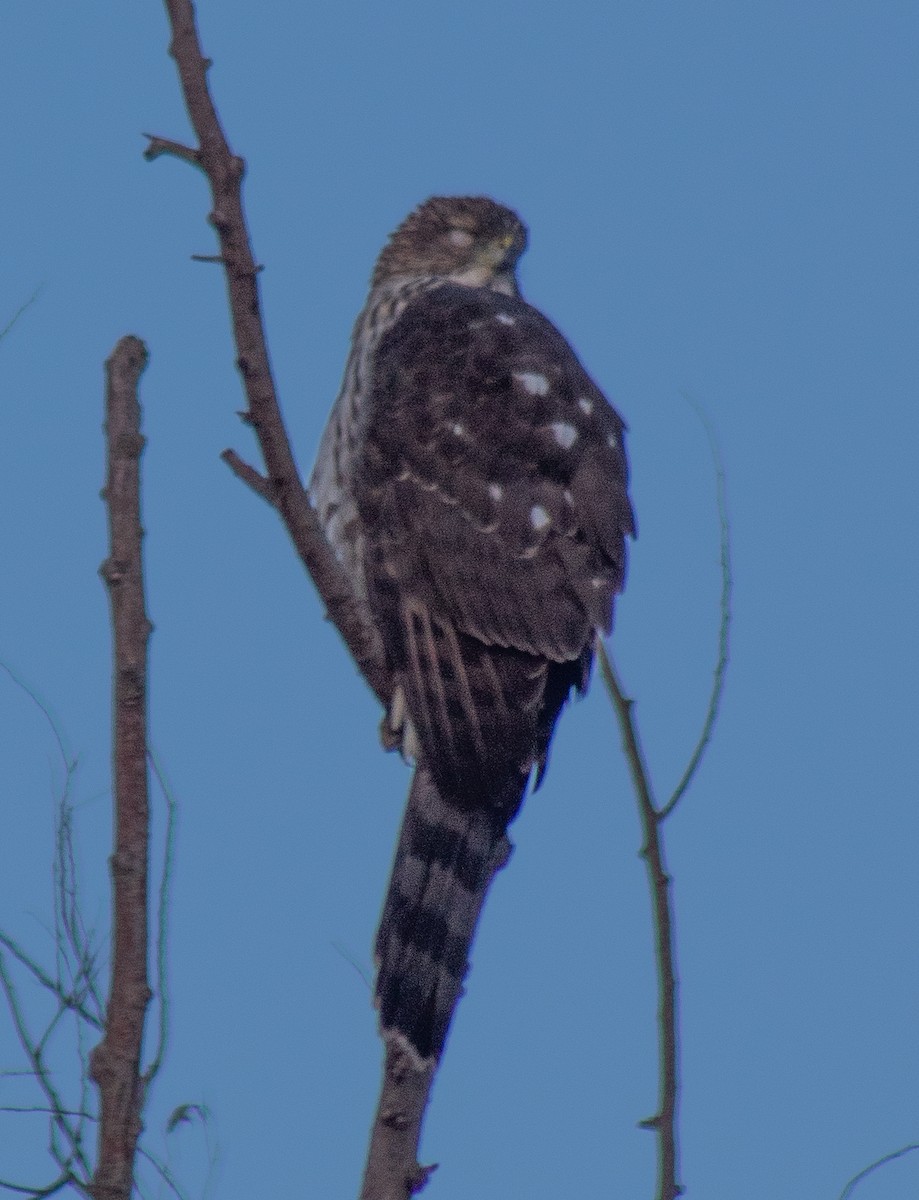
(472, 479)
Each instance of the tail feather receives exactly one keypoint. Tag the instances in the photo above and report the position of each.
(446, 858)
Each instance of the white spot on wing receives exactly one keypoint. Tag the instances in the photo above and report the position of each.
(612, 442)
(539, 517)
(458, 428)
(568, 496)
(533, 382)
(496, 491)
(586, 405)
(460, 238)
(505, 318)
(566, 435)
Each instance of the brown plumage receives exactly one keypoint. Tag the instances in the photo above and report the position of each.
(475, 483)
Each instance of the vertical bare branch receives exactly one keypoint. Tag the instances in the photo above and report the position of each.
(664, 1122)
(115, 1062)
(393, 1171)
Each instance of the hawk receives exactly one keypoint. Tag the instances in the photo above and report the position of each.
(472, 480)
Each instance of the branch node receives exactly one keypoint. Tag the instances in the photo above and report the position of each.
(242, 470)
(160, 145)
(418, 1180)
(394, 1118)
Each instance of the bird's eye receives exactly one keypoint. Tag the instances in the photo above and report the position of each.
(461, 238)
(506, 241)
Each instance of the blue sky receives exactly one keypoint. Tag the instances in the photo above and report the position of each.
(722, 201)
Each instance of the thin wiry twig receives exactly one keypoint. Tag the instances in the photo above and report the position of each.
(41, 1074)
(853, 1183)
(19, 311)
(727, 584)
(40, 1108)
(183, 1116)
(69, 761)
(75, 934)
(162, 919)
(67, 998)
(49, 1029)
(64, 1180)
(665, 1121)
(352, 962)
(163, 1171)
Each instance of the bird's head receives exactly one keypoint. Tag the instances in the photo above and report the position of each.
(470, 240)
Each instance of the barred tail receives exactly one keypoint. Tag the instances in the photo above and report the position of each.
(446, 858)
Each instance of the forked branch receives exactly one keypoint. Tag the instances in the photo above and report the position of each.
(282, 488)
(665, 1123)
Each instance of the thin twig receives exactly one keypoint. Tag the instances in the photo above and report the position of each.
(158, 146)
(33, 1193)
(665, 1121)
(163, 1171)
(115, 1062)
(40, 1108)
(67, 998)
(40, 1072)
(727, 585)
(853, 1183)
(20, 311)
(70, 762)
(248, 474)
(162, 922)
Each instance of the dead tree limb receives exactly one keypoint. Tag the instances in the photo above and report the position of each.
(115, 1062)
(283, 488)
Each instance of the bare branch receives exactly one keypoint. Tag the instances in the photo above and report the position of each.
(19, 312)
(727, 584)
(160, 146)
(115, 1062)
(41, 1108)
(163, 1171)
(393, 1171)
(664, 1122)
(62, 1181)
(162, 923)
(225, 171)
(242, 470)
(60, 1123)
(853, 1183)
(67, 999)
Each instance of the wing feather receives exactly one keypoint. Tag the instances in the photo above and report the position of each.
(492, 488)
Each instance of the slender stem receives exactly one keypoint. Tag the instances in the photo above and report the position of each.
(665, 1122)
(724, 629)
